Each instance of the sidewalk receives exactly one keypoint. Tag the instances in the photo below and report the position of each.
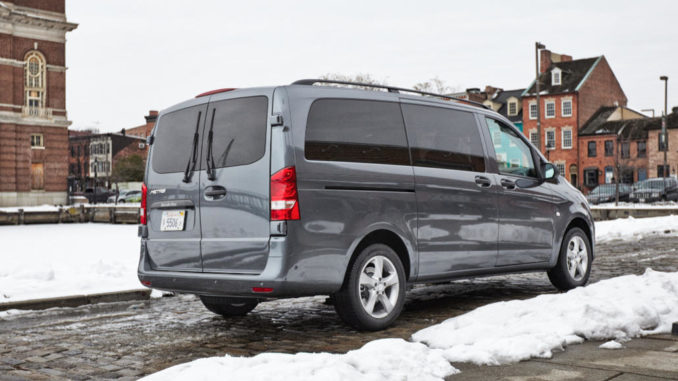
(644, 359)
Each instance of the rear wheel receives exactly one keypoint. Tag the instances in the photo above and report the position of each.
(374, 293)
(574, 263)
(225, 306)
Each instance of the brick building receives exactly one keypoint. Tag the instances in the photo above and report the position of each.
(145, 129)
(614, 145)
(94, 156)
(507, 103)
(656, 150)
(571, 91)
(33, 120)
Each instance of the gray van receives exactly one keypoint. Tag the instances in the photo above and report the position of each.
(303, 190)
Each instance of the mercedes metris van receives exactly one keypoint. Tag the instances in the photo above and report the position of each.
(298, 190)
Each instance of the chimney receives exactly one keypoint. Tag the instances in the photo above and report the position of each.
(674, 110)
(152, 116)
(122, 132)
(545, 60)
(565, 58)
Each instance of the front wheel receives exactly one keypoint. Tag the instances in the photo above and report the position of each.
(574, 263)
(374, 293)
(226, 307)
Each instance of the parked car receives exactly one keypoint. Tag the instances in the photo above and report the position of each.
(656, 189)
(315, 190)
(101, 194)
(126, 195)
(608, 193)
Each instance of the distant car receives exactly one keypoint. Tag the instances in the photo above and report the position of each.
(657, 189)
(607, 193)
(101, 194)
(126, 195)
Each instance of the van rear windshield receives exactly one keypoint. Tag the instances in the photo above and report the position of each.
(174, 139)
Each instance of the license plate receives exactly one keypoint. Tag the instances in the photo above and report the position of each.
(172, 220)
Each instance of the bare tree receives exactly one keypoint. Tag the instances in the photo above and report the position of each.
(434, 85)
(360, 77)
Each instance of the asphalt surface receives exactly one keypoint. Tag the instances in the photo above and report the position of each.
(131, 339)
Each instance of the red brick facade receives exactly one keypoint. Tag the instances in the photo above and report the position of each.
(144, 130)
(33, 130)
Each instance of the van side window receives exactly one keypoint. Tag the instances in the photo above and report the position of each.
(357, 131)
(174, 137)
(444, 138)
(239, 131)
(513, 155)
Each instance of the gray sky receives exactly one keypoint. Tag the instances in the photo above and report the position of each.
(130, 56)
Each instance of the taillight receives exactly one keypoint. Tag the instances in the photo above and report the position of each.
(142, 212)
(284, 197)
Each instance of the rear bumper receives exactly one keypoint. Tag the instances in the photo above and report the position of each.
(276, 276)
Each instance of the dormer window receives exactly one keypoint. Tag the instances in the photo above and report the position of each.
(512, 108)
(556, 77)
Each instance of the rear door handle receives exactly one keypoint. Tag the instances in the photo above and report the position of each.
(483, 181)
(508, 184)
(215, 192)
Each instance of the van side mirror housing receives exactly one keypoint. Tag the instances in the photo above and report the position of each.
(550, 171)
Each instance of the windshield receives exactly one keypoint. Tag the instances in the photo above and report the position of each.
(604, 190)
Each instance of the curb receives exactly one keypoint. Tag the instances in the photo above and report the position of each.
(77, 300)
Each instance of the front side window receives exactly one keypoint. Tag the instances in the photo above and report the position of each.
(444, 138)
(514, 158)
(34, 83)
(567, 138)
(356, 131)
(567, 108)
(550, 109)
(550, 139)
(609, 148)
(642, 149)
(533, 110)
(592, 149)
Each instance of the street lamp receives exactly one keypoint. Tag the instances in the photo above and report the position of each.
(537, 46)
(664, 137)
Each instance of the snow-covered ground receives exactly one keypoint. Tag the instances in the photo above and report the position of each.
(41, 261)
(55, 208)
(637, 205)
(636, 228)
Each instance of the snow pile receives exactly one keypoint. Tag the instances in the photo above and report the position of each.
(40, 208)
(632, 229)
(512, 331)
(385, 359)
(612, 344)
(42, 261)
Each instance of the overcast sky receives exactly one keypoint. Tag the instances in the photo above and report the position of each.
(130, 56)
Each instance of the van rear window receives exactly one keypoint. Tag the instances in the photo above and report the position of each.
(356, 131)
(174, 139)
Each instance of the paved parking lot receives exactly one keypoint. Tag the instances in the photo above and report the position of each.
(133, 339)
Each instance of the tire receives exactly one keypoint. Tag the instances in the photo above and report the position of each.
(226, 307)
(575, 272)
(370, 301)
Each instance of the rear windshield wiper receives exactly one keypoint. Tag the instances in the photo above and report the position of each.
(211, 167)
(190, 166)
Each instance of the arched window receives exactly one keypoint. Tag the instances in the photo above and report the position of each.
(35, 82)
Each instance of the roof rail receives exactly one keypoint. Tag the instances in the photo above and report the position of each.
(390, 89)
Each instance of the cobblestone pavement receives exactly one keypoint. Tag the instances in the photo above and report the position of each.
(129, 340)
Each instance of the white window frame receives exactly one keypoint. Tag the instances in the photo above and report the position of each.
(532, 116)
(562, 138)
(556, 74)
(546, 108)
(535, 134)
(546, 138)
(561, 168)
(35, 89)
(515, 108)
(562, 107)
(40, 139)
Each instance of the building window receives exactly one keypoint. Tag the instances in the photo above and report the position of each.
(591, 177)
(567, 108)
(550, 107)
(592, 149)
(34, 83)
(663, 171)
(627, 176)
(609, 148)
(534, 138)
(625, 150)
(609, 175)
(642, 150)
(550, 139)
(561, 168)
(573, 175)
(567, 138)
(642, 174)
(37, 141)
(533, 110)
(556, 79)
(512, 108)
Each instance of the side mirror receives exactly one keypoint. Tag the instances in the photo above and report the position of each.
(550, 171)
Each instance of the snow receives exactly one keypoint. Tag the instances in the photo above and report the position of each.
(42, 261)
(55, 208)
(507, 332)
(612, 344)
(384, 359)
(640, 206)
(40, 208)
(633, 229)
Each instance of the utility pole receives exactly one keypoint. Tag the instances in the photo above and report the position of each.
(537, 46)
(664, 137)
